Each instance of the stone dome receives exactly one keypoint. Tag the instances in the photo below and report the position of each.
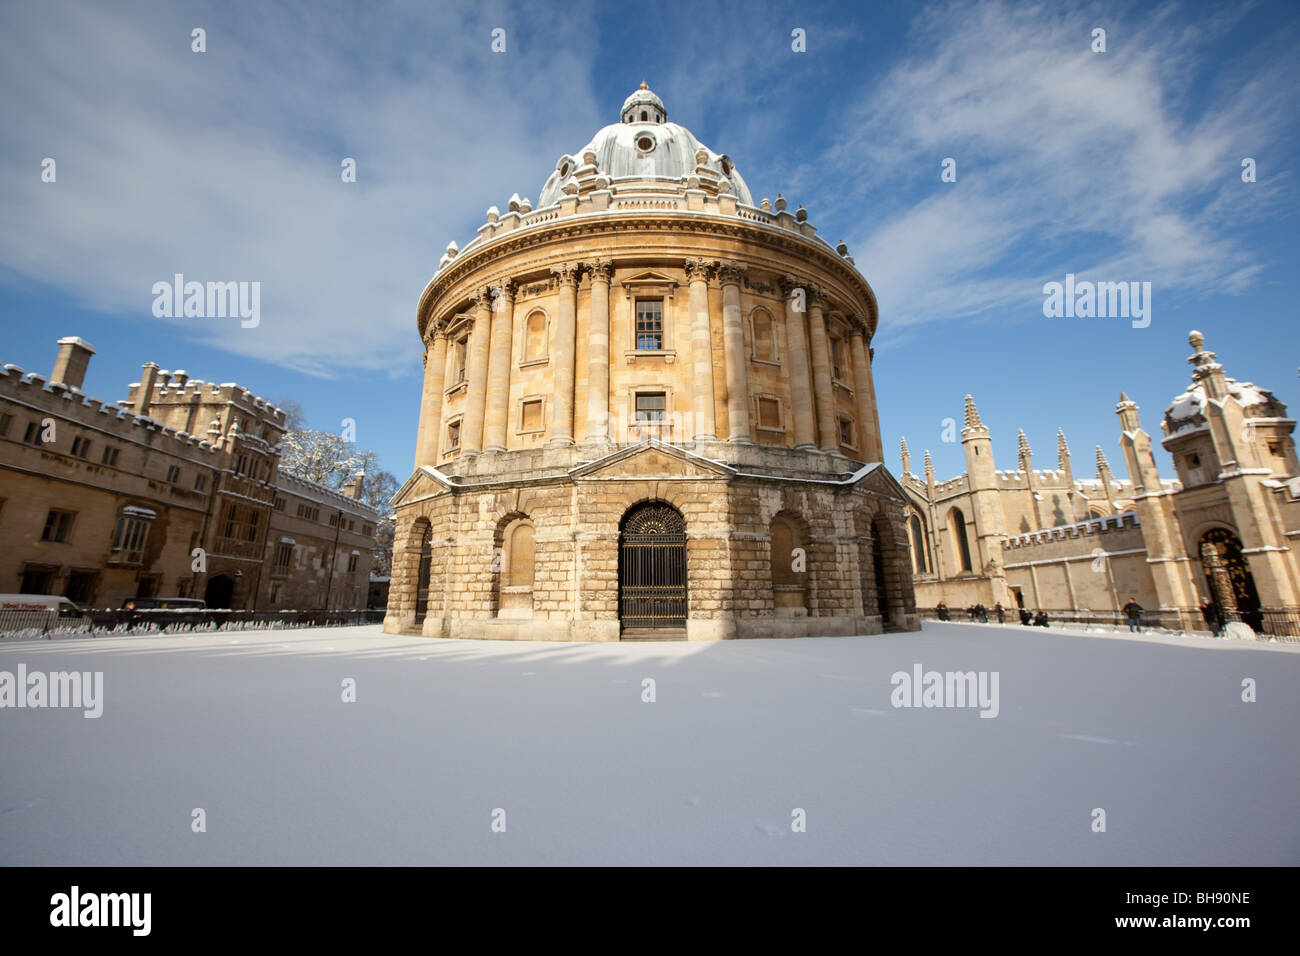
(648, 149)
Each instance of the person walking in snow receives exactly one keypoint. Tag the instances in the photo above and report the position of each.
(942, 611)
(1210, 611)
(1040, 619)
(1025, 616)
(1002, 614)
(1133, 611)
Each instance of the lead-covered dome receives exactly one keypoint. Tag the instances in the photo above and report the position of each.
(648, 148)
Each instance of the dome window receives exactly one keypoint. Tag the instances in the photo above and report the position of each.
(564, 170)
(645, 142)
(644, 116)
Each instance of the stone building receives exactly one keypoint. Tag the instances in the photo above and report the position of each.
(106, 502)
(1223, 529)
(648, 410)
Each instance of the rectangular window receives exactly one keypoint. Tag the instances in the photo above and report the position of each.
(453, 436)
(58, 525)
(837, 358)
(109, 457)
(80, 446)
(334, 521)
(649, 323)
(650, 406)
(531, 416)
(200, 482)
(352, 562)
(279, 504)
(283, 555)
(33, 434)
(232, 518)
(38, 580)
(81, 585)
(250, 533)
(769, 413)
(5, 421)
(129, 538)
(173, 474)
(462, 350)
(241, 464)
(846, 432)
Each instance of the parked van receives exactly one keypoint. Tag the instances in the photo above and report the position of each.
(60, 605)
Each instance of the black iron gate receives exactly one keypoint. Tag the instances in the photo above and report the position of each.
(652, 568)
(422, 581)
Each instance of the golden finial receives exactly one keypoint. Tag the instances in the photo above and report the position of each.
(643, 86)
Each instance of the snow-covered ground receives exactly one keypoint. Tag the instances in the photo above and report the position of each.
(252, 728)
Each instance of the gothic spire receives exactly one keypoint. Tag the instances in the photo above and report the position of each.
(907, 458)
(972, 414)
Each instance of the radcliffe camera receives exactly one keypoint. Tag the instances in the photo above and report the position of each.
(658, 438)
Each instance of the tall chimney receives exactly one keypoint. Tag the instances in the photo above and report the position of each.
(143, 398)
(354, 487)
(70, 366)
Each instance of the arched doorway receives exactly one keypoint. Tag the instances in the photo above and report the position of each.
(652, 567)
(1227, 574)
(423, 571)
(219, 591)
(789, 567)
(878, 531)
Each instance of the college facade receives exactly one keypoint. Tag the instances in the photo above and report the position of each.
(648, 410)
(105, 502)
(1224, 530)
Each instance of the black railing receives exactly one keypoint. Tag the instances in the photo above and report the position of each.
(1280, 623)
(180, 620)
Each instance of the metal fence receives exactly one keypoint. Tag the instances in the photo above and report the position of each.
(174, 621)
(1281, 624)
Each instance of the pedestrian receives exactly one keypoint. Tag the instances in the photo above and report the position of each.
(1025, 616)
(1133, 611)
(941, 611)
(1040, 619)
(1002, 614)
(1210, 612)
(970, 612)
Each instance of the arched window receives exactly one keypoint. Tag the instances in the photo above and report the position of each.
(961, 546)
(916, 531)
(644, 116)
(789, 567)
(535, 337)
(764, 340)
(514, 581)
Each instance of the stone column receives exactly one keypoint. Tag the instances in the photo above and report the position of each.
(499, 362)
(733, 339)
(471, 433)
(704, 426)
(823, 394)
(598, 352)
(435, 367)
(801, 398)
(566, 323)
(864, 392)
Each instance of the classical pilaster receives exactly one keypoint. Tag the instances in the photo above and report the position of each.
(476, 373)
(435, 367)
(823, 390)
(705, 426)
(598, 352)
(864, 392)
(733, 340)
(801, 398)
(566, 323)
(499, 362)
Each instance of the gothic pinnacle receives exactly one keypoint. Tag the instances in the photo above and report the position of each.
(972, 414)
(1023, 447)
(907, 458)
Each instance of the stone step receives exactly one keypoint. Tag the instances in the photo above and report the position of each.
(653, 634)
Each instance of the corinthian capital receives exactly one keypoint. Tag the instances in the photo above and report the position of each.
(697, 269)
(731, 272)
(601, 269)
(567, 273)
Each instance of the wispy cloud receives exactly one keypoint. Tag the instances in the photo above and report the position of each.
(1067, 160)
(225, 165)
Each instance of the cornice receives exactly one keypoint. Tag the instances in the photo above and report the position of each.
(476, 261)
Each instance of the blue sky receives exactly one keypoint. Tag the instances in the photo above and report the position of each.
(1115, 166)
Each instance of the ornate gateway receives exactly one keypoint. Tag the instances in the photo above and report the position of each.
(652, 567)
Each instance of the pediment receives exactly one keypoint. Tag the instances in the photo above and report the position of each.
(876, 478)
(647, 280)
(425, 482)
(652, 459)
